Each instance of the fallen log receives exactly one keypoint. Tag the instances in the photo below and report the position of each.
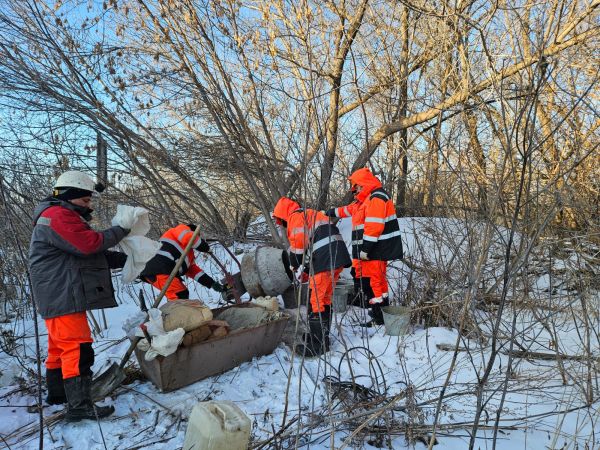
(525, 354)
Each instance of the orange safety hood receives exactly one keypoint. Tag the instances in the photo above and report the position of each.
(369, 182)
(284, 207)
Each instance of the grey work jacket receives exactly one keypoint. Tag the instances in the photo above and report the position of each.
(68, 261)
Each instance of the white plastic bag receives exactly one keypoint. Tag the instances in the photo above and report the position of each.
(163, 343)
(138, 248)
(134, 218)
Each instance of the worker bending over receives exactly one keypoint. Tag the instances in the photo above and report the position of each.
(158, 269)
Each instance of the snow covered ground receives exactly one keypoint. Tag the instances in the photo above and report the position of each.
(540, 403)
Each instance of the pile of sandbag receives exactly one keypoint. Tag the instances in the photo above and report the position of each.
(188, 322)
(267, 302)
(240, 318)
(195, 318)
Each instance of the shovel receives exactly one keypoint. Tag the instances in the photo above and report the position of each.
(111, 378)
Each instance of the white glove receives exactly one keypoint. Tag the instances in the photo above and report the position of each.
(363, 255)
(376, 301)
(132, 323)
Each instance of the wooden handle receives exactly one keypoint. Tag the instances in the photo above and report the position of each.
(186, 250)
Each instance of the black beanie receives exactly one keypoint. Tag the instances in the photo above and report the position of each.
(71, 193)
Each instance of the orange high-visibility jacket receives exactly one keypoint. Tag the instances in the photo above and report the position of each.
(174, 241)
(375, 228)
(310, 230)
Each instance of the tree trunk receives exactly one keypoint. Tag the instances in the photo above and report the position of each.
(402, 113)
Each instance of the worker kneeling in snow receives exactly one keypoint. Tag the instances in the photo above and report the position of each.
(158, 269)
(308, 229)
(70, 274)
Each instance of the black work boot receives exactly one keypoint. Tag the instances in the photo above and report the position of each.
(316, 341)
(362, 292)
(56, 389)
(375, 312)
(326, 319)
(80, 405)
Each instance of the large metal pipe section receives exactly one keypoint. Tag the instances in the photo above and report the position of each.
(265, 271)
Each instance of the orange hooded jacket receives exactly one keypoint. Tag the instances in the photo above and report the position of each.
(375, 228)
(308, 229)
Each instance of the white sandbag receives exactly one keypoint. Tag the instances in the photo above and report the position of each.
(154, 326)
(134, 218)
(163, 343)
(267, 302)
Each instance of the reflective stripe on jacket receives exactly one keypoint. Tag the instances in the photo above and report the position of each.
(310, 230)
(173, 243)
(375, 228)
(67, 260)
(381, 234)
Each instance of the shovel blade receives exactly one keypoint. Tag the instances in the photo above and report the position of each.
(105, 383)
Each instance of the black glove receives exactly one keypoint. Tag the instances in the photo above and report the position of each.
(330, 212)
(216, 286)
(203, 247)
(125, 230)
(295, 260)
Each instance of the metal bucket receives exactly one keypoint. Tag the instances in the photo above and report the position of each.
(339, 299)
(396, 319)
(266, 271)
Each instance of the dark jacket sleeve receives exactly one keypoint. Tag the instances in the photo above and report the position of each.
(295, 260)
(116, 260)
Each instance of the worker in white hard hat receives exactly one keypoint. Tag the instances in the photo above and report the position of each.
(70, 274)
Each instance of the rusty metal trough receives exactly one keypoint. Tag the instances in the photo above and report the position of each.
(214, 356)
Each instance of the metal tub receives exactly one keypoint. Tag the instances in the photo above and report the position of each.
(214, 356)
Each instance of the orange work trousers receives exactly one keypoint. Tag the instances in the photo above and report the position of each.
(376, 271)
(70, 345)
(321, 288)
(176, 289)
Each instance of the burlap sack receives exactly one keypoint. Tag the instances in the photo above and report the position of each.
(200, 334)
(211, 329)
(186, 314)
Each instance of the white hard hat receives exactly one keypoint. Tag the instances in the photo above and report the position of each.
(76, 179)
